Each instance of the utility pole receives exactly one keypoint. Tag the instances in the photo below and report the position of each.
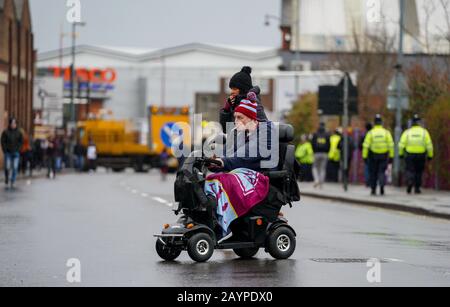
(296, 19)
(72, 77)
(72, 74)
(398, 117)
(163, 80)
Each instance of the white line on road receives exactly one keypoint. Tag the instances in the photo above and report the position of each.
(162, 201)
(393, 260)
(144, 194)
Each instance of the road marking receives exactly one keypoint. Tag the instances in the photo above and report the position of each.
(144, 194)
(134, 191)
(394, 260)
(162, 201)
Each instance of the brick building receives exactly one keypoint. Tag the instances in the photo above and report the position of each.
(17, 62)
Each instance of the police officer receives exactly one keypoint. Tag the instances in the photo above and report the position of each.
(305, 155)
(378, 151)
(334, 156)
(415, 147)
(321, 146)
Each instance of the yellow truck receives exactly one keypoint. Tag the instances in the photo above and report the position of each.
(119, 144)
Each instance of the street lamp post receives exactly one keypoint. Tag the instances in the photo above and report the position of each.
(72, 73)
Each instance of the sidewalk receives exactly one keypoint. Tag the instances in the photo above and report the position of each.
(430, 203)
(36, 175)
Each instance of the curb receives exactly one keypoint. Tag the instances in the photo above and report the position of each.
(376, 204)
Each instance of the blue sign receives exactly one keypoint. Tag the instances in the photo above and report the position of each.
(92, 86)
(170, 132)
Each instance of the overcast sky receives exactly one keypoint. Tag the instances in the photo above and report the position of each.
(159, 23)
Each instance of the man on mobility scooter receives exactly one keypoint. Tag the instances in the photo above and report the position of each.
(239, 210)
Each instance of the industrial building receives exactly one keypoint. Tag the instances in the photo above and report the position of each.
(124, 82)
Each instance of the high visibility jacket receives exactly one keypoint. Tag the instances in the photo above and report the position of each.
(378, 141)
(305, 153)
(335, 153)
(416, 140)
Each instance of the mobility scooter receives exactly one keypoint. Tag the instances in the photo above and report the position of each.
(263, 227)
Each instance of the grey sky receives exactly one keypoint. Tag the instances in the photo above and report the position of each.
(159, 23)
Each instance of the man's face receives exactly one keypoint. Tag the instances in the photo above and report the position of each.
(243, 122)
(13, 125)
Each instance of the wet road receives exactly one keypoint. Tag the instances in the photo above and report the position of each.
(107, 221)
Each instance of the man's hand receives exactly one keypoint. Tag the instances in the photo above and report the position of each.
(213, 166)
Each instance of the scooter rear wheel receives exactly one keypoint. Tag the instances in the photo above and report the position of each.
(281, 243)
(167, 253)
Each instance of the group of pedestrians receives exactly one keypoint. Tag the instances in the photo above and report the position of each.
(321, 155)
(23, 154)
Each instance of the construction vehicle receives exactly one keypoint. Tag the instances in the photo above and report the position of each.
(121, 145)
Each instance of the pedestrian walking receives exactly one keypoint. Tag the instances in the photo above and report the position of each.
(38, 154)
(11, 140)
(321, 148)
(415, 147)
(334, 156)
(50, 157)
(378, 152)
(26, 155)
(369, 127)
(92, 156)
(59, 153)
(164, 164)
(305, 156)
(79, 152)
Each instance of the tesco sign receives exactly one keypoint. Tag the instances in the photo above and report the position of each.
(95, 76)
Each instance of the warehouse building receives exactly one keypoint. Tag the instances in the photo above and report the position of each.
(124, 82)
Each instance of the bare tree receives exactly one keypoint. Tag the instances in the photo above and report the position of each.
(446, 32)
(372, 58)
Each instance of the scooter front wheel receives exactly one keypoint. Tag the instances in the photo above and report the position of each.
(165, 252)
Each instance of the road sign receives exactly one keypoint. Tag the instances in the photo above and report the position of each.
(170, 132)
(393, 93)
